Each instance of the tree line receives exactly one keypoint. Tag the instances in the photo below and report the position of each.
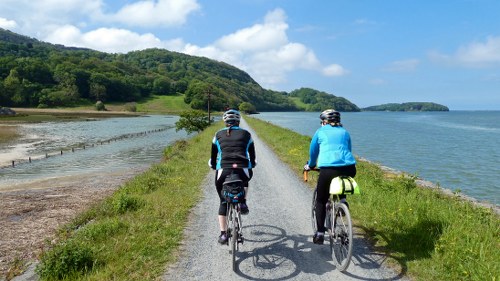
(39, 74)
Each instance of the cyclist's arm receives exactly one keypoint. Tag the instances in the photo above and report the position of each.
(213, 156)
(251, 153)
(313, 151)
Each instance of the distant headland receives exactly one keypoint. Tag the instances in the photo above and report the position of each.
(407, 106)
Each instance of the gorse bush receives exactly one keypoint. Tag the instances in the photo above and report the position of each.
(66, 261)
(124, 202)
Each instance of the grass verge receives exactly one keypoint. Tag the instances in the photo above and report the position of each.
(135, 233)
(428, 235)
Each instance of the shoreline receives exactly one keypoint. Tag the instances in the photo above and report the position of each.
(57, 111)
(446, 191)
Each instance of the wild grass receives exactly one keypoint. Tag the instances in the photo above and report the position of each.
(134, 233)
(425, 234)
(8, 134)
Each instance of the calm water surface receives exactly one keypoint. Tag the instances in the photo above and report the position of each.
(459, 150)
(134, 142)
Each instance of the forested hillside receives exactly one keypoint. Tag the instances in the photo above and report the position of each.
(316, 100)
(39, 74)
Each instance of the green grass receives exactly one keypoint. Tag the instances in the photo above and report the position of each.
(163, 104)
(426, 234)
(134, 233)
(299, 103)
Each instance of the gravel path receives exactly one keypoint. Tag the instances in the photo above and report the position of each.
(278, 236)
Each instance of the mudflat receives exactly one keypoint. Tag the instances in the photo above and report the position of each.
(32, 215)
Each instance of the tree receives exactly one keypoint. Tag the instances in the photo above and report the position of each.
(161, 86)
(247, 107)
(192, 121)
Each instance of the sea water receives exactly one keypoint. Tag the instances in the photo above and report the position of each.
(458, 150)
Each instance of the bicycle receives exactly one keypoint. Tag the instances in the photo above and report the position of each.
(339, 227)
(233, 192)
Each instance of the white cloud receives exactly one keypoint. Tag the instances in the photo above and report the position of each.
(111, 40)
(154, 13)
(269, 35)
(334, 70)
(265, 52)
(475, 54)
(7, 24)
(479, 53)
(402, 65)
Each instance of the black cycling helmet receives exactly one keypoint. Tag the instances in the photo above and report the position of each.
(330, 115)
(231, 116)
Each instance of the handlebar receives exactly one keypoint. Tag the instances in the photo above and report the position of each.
(306, 172)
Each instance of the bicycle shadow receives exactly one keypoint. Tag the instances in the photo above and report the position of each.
(275, 255)
(400, 243)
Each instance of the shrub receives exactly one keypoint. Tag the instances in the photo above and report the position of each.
(192, 121)
(66, 260)
(130, 106)
(99, 106)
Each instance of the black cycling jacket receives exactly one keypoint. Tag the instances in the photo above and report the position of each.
(232, 147)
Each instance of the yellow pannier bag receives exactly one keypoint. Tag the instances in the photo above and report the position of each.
(344, 185)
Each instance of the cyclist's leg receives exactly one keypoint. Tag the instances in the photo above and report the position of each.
(245, 176)
(220, 176)
(322, 194)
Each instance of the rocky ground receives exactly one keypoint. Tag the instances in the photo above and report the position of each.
(30, 216)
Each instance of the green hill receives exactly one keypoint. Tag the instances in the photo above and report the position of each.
(408, 106)
(40, 74)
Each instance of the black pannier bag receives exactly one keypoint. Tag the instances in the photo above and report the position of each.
(232, 188)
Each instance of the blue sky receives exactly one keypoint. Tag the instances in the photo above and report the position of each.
(368, 51)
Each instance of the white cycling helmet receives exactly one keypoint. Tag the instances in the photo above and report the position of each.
(231, 116)
(330, 115)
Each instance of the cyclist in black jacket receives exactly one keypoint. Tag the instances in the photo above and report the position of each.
(232, 151)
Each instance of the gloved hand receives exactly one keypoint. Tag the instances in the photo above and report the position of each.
(254, 164)
(306, 167)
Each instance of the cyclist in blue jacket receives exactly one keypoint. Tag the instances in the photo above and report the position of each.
(330, 151)
(232, 151)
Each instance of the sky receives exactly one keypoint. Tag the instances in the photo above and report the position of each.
(370, 52)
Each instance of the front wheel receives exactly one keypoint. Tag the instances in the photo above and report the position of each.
(341, 236)
(233, 235)
(313, 212)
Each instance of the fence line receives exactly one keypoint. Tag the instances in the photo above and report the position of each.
(60, 152)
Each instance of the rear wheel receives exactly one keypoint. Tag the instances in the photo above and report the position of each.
(341, 236)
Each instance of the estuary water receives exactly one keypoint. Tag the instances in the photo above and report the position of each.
(96, 146)
(459, 150)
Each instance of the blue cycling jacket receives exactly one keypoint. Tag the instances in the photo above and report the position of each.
(330, 147)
